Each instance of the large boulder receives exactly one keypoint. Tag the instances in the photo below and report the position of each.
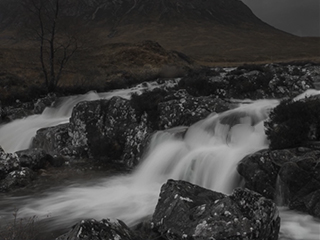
(185, 110)
(300, 180)
(187, 211)
(260, 170)
(290, 176)
(106, 229)
(108, 129)
(55, 141)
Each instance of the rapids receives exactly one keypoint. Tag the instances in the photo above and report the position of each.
(206, 155)
(17, 135)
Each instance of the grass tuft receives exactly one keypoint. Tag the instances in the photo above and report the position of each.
(19, 228)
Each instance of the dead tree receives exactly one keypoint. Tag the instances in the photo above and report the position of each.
(56, 44)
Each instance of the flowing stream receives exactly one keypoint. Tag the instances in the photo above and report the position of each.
(207, 155)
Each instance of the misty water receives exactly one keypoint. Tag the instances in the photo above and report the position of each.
(206, 155)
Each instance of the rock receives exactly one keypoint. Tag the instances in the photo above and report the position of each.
(17, 179)
(109, 130)
(301, 179)
(2, 113)
(55, 141)
(145, 231)
(44, 102)
(57, 161)
(34, 158)
(251, 81)
(186, 110)
(186, 211)
(105, 229)
(268, 81)
(260, 170)
(8, 163)
(11, 113)
(102, 129)
(291, 175)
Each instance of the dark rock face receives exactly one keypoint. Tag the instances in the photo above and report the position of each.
(105, 229)
(24, 109)
(294, 123)
(8, 163)
(186, 211)
(251, 81)
(11, 113)
(54, 140)
(300, 179)
(16, 169)
(294, 171)
(260, 170)
(108, 129)
(44, 102)
(268, 81)
(186, 110)
(34, 158)
(17, 179)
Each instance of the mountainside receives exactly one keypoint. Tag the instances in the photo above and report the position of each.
(223, 11)
(165, 11)
(212, 32)
(218, 30)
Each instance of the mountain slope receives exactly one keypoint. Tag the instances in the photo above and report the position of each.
(210, 31)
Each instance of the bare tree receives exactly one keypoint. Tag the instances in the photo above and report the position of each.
(56, 43)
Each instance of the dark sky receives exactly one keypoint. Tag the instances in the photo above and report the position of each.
(299, 17)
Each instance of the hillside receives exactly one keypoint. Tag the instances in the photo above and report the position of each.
(210, 32)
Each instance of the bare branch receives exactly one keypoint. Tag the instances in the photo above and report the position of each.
(55, 48)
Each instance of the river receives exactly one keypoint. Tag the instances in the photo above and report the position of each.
(207, 156)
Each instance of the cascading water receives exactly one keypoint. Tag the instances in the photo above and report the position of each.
(17, 134)
(205, 154)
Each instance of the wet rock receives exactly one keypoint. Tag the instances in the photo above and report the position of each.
(251, 81)
(57, 160)
(34, 158)
(301, 179)
(186, 211)
(290, 176)
(109, 130)
(2, 113)
(54, 140)
(106, 229)
(11, 113)
(260, 170)
(186, 110)
(17, 179)
(269, 81)
(44, 102)
(8, 163)
(144, 231)
(204, 82)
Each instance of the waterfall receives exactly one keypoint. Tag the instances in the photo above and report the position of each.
(205, 154)
(17, 135)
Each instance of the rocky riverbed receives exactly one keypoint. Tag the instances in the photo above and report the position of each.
(113, 134)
